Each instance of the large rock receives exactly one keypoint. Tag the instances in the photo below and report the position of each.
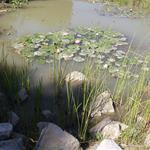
(75, 77)
(54, 138)
(113, 130)
(108, 144)
(98, 127)
(102, 105)
(13, 118)
(5, 130)
(13, 144)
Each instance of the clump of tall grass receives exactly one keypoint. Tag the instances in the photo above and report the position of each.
(13, 79)
(37, 100)
(75, 110)
(134, 104)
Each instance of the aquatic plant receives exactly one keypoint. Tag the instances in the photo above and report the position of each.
(82, 41)
(18, 3)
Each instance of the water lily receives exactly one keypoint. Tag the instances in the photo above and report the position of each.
(67, 56)
(37, 53)
(101, 56)
(77, 41)
(105, 66)
(111, 60)
(92, 55)
(36, 46)
(123, 39)
(65, 33)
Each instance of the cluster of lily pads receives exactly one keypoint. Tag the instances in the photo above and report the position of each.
(104, 47)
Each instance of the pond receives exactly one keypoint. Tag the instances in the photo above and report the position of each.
(55, 37)
(55, 15)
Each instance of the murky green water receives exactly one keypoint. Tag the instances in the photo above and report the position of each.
(51, 15)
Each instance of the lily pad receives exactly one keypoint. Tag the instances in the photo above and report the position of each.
(78, 59)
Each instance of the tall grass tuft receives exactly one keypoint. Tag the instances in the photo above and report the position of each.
(13, 79)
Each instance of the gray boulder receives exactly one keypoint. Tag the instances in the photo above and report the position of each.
(5, 130)
(54, 138)
(113, 130)
(102, 105)
(98, 127)
(13, 144)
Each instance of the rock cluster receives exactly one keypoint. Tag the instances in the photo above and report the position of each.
(108, 129)
(7, 141)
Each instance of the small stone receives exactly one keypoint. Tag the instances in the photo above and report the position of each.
(23, 94)
(13, 118)
(108, 144)
(5, 130)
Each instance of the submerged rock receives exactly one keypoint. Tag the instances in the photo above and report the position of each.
(5, 130)
(54, 138)
(75, 77)
(102, 105)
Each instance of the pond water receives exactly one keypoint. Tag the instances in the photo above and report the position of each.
(52, 15)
